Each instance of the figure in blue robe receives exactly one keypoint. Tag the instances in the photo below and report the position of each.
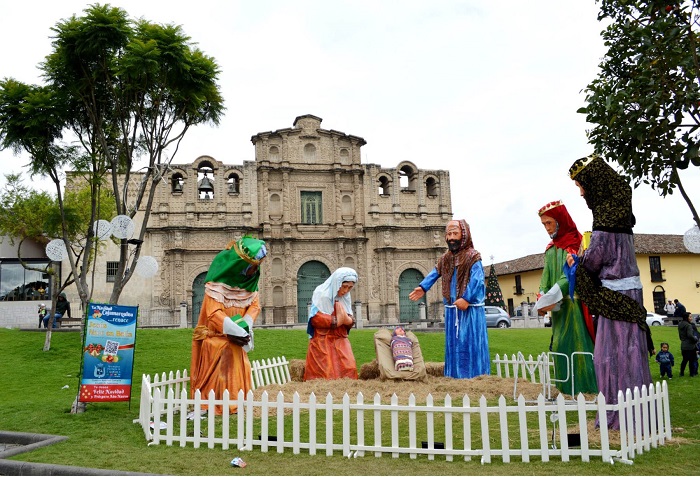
(463, 292)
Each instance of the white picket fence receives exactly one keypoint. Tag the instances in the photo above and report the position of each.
(538, 370)
(263, 373)
(449, 429)
(534, 370)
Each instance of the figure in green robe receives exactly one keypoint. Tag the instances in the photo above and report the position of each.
(572, 325)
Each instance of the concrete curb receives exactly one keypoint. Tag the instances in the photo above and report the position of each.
(26, 442)
(15, 467)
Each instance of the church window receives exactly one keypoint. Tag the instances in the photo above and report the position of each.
(177, 183)
(234, 183)
(407, 179)
(384, 185)
(311, 208)
(431, 187)
(205, 184)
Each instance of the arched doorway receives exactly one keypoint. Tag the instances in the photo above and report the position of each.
(309, 276)
(197, 296)
(408, 310)
(659, 295)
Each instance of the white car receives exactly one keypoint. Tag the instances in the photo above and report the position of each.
(655, 320)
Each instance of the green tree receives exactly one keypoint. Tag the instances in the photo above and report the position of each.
(119, 97)
(119, 94)
(30, 215)
(645, 101)
(494, 296)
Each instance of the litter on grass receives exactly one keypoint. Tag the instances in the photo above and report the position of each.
(163, 426)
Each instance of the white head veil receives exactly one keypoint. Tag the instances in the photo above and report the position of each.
(327, 293)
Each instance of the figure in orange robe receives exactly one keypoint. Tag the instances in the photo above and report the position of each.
(223, 335)
(330, 355)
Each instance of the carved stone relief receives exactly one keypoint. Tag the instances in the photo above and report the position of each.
(375, 270)
(387, 238)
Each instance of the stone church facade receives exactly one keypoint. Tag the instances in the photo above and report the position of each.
(318, 208)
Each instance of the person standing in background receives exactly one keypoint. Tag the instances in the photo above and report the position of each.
(665, 360)
(688, 335)
(679, 312)
(670, 309)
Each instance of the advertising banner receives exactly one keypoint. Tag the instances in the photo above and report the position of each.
(108, 353)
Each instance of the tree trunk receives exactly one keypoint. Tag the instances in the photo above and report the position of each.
(47, 340)
(77, 407)
(687, 199)
(52, 311)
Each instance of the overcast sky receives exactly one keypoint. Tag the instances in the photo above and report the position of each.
(486, 90)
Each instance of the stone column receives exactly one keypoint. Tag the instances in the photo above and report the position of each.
(183, 315)
(359, 324)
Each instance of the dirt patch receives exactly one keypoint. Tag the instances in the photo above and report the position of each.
(436, 385)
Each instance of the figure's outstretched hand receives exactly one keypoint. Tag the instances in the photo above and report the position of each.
(416, 294)
(239, 340)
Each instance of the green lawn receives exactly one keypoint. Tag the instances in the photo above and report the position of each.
(105, 437)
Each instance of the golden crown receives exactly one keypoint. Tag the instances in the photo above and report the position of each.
(549, 206)
(245, 253)
(579, 165)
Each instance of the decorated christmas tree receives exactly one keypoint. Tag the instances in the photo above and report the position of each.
(494, 297)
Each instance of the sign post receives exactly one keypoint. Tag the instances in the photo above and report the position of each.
(108, 353)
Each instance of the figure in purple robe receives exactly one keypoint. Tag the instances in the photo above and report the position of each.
(607, 280)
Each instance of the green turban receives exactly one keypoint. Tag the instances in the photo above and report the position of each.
(231, 265)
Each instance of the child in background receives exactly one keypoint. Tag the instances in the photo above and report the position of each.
(42, 313)
(665, 360)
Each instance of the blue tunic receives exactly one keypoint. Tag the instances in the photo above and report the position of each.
(466, 340)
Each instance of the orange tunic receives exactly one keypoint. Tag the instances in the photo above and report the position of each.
(330, 355)
(217, 363)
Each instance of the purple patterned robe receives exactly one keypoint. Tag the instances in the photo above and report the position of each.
(620, 355)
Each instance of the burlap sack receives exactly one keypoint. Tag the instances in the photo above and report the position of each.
(385, 360)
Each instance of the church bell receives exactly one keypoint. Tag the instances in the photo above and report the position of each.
(206, 188)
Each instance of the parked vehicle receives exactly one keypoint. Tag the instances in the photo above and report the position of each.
(654, 319)
(496, 317)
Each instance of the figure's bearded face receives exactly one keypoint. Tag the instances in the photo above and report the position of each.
(453, 236)
(453, 245)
